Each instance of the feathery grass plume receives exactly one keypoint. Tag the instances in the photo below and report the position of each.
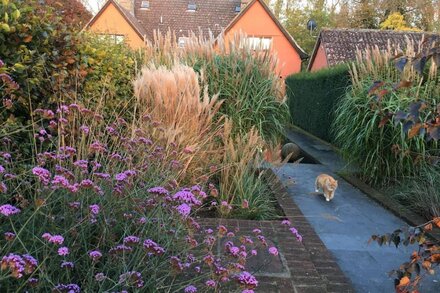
(246, 79)
(173, 98)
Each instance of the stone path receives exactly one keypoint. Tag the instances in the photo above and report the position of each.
(345, 224)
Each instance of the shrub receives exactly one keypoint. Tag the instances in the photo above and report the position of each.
(382, 149)
(312, 97)
(53, 63)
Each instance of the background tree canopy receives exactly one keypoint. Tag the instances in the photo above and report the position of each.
(411, 15)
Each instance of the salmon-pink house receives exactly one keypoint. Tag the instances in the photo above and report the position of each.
(134, 22)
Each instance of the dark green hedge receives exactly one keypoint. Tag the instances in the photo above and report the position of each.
(312, 97)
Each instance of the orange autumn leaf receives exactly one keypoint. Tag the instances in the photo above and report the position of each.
(436, 221)
(404, 281)
(27, 39)
(426, 265)
(435, 258)
(39, 202)
(428, 227)
(414, 130)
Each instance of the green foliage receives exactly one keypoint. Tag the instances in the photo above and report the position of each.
(248, 87)
(382, 150)
(420, 194)
(52, 64)
(312, 97)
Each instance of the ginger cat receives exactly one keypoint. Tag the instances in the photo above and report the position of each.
(327, 184)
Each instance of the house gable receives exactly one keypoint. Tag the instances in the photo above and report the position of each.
(112, 19)
(319, 59)
(256, 20)
(340, 45)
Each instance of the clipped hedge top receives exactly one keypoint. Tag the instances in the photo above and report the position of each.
(323, 73)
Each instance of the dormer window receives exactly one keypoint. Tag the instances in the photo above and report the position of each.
(145, 5)
(192, 7)
(237, 8)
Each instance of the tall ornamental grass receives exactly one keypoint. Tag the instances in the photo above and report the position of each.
(383, 151)
(246, 80)
(173, 98)
(420, 193)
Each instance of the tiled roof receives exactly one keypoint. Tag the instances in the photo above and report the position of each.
(340, 45)
(210, 15)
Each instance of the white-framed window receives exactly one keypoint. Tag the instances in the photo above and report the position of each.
(192, 7)
(182, 41)
(117, 39)
(257, 43)
(145, 5)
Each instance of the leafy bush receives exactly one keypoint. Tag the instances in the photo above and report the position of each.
(382, 149)
(312, 97)
(52, 63)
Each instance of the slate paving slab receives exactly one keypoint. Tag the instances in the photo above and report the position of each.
(345, 225)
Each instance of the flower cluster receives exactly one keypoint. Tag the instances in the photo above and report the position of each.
(19, 265)
(55, 239)
(8, 210)
(153, 247)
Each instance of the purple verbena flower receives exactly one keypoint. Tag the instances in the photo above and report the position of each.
(95, 255)
(186, 196)
(159, 190)
(190, 289)
(285, 222)
(67, 288)
(43, 174)
(9, 236)
(184, 210)
(8, 210)
(153, 247)
(94, 209)
(211, 283)
(56, 239)
(273, 250)
(247, 279)
(60, 181)
(99, 277)
(15, 263)
(67, 265)
(129, 240)
(62, 251)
